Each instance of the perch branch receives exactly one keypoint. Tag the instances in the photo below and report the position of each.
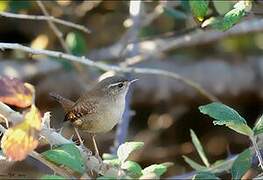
(55, 138)
(35, 154)
(107, 67)
(45, 18)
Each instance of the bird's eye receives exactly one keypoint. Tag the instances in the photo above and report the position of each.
(120, 85)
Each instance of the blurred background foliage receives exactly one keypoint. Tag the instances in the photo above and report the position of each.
(161, 121)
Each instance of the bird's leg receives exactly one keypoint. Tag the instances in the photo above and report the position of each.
(79, 138)
(97, 154)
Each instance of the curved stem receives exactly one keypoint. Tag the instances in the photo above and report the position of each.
(108, 67)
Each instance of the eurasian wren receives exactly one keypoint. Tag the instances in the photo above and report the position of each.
(99, 109)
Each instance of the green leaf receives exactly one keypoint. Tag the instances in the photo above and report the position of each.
(225, 115)
(241, 164)
(68, 155)
(258, 128)
(199, 8)
(246, 5)
(157, 169)
(196, 166)
(113, 162)
(199, 148)
(221, 165)
(204, 175)
(76, 43)
(51, 177)
(126, 149)
(108, 156)
(133, 168)
(231, 18)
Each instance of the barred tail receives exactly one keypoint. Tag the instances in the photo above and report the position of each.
(66, 103)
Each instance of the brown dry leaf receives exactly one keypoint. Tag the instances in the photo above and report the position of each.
(22, 138)
(14, 92)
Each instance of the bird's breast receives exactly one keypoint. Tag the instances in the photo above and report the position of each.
(107, 116)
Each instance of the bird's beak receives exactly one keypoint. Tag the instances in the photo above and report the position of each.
(133, 80)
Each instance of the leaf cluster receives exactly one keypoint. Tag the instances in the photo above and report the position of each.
(225, 115)
(225, 20)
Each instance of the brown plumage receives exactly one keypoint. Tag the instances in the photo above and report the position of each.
(99, 109)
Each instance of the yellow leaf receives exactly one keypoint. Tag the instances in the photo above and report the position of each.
(22, 138)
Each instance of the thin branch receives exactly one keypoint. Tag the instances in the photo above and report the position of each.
(123, 124)
(107, 67)
(194, 38)
(200, 37)
(86, 6)
(45, 18)
(58, 33)
(257, 150)
(54, 28)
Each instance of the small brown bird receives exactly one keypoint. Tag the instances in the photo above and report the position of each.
(99, 109)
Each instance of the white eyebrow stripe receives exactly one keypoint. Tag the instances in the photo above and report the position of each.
(115, 84)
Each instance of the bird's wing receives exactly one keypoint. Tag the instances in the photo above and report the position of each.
(88, 96)
(66, 103)
(82, 108)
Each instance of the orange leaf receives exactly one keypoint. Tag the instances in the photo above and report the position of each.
(14, 92)
(22, 138)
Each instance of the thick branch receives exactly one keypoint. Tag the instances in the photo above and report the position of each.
(55, 138)
(107, 67)
(45, 18)
(198, 37)
(35, 154)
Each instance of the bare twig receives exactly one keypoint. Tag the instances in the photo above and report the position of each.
(54, 28)
(206, 36)
(107, 67)
(197, 37)
(45, 18)
(123, 124)
(86, 6)
(58, 33)
(158, 10)
(257, 150)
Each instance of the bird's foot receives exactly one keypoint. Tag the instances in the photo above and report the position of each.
(98, 157)
(81, 142)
